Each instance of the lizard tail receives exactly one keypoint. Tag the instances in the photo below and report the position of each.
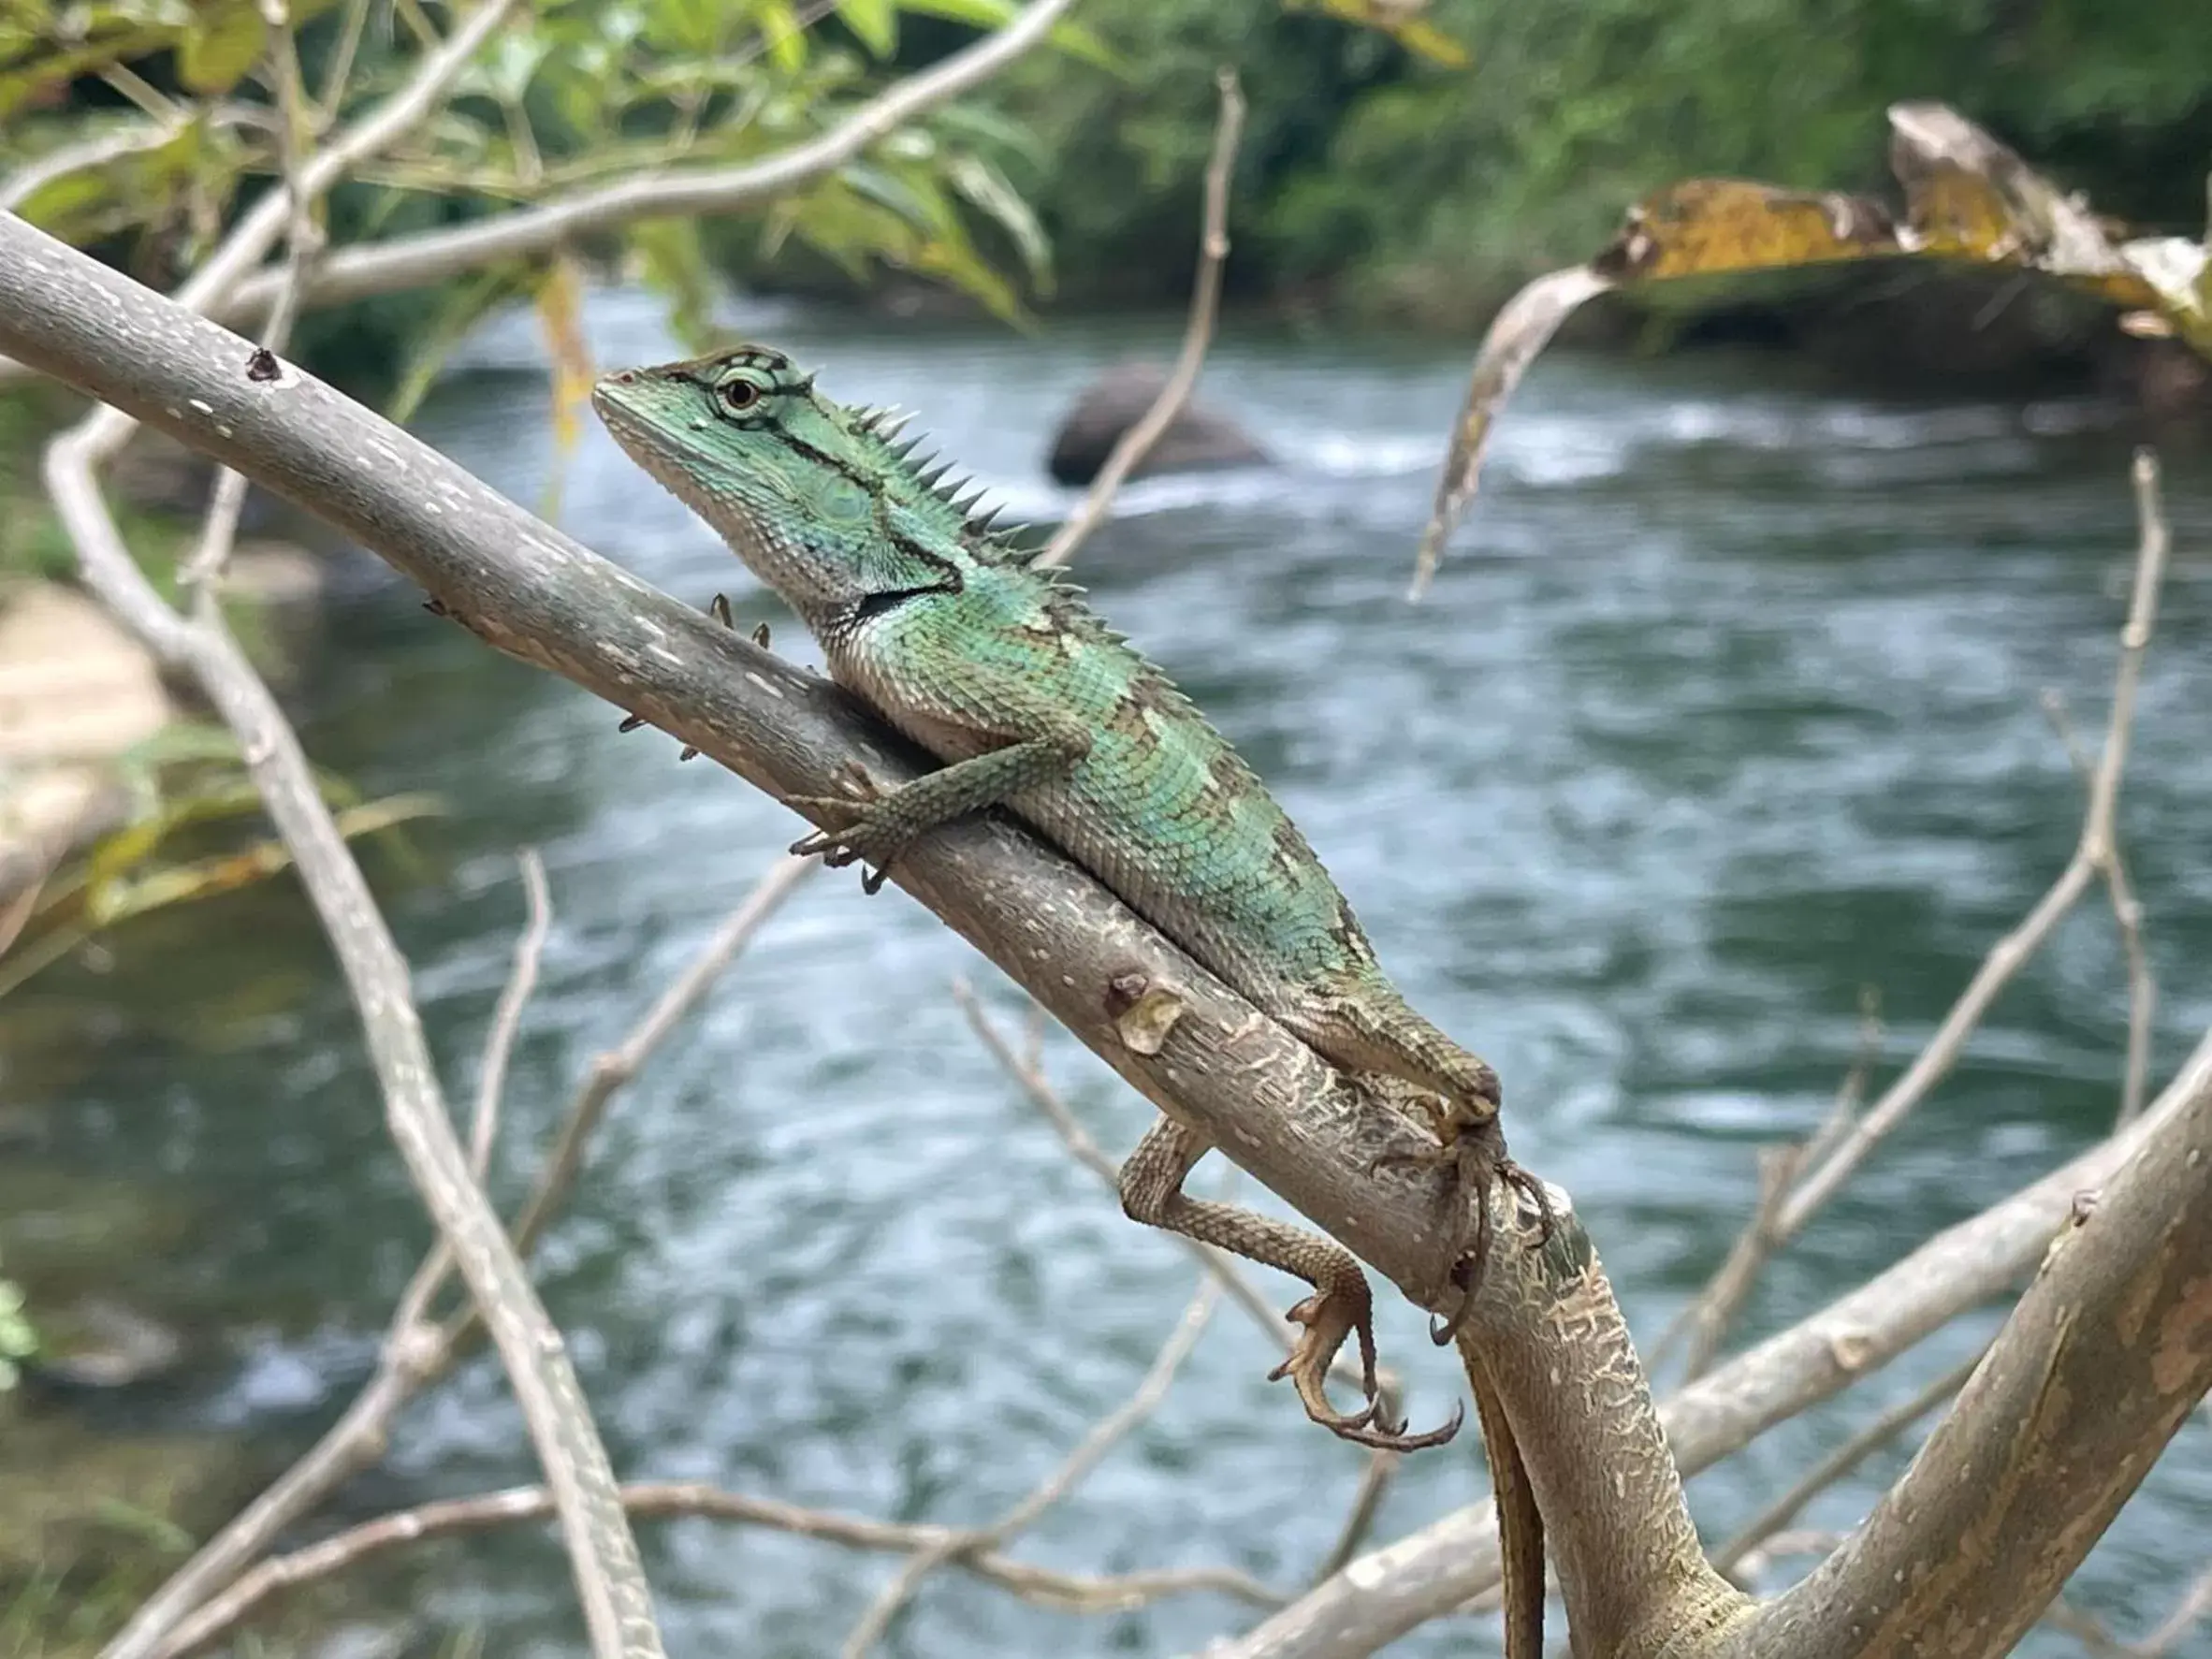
(1521, 1526)
(1368, 1026)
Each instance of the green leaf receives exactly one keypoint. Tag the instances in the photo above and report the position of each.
(219, 47)
(987, 188)
(1070, 37)
(783, 33)
(874, 22)
(694, 27)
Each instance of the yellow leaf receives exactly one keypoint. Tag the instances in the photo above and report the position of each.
(1401, 21)
(560, 309)
(1709, 226)
(1967, 198)
(219, 47)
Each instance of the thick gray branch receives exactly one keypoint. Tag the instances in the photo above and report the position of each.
(2108, 1353)
(1425, 1575)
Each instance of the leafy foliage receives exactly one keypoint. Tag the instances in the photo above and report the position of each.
(1414, 188)
(181, 843)
(18, 1340)
(165, 102)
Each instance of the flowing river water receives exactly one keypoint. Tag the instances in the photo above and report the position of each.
(1723, 707)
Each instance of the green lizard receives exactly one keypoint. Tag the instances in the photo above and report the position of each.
(944, 628)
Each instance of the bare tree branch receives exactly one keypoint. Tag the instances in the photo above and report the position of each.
(2196, 1601)
(452, 1517)
(1448, 1563)
(1839, 1464)
(2105, 1356)
(2127, 913)
(410, 1357)
(1197, 334)
(33, 176)
(506, 1018)
(2092, 854)
(1094, 1445)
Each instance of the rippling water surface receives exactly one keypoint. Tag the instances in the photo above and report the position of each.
(1723, 707)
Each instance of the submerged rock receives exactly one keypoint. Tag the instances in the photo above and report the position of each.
(1198, 438)
(99, 1342)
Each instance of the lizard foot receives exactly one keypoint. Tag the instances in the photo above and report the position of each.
(1345, 1308)
(865, 840)
(1475, 1148)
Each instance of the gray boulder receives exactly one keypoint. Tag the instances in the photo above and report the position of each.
(1197, 439)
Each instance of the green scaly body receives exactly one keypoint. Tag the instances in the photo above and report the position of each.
(949, 633)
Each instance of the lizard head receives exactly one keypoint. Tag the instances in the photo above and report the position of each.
(810, 494)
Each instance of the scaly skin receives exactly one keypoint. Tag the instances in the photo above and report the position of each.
(1000, 671)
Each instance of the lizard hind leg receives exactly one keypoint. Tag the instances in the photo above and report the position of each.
(1342, 1305)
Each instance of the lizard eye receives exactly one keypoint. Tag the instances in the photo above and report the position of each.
(739, 394)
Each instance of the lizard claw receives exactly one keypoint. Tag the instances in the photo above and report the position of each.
(1341, 1308)
(861, 840)
(1478, 1155)
(1475, 1148)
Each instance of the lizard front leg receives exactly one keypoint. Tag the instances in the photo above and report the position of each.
(1039, 744)
(1342, 1305)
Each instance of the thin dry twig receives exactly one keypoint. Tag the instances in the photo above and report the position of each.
(303, 244)
(2091, 855)
(1103, 1436)
(506, 1017)
(1376, 1480)
(2127, 913)
(1839, 1464)
(410, 1356)
(33, 176)
(1709, 1317)
(415, 1352)
(613, 1070)
(1197, 334)
(1072, 1591)
(2086, 1629)
(2195, 1603)
(1706, 1320)
(1784, 1546)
